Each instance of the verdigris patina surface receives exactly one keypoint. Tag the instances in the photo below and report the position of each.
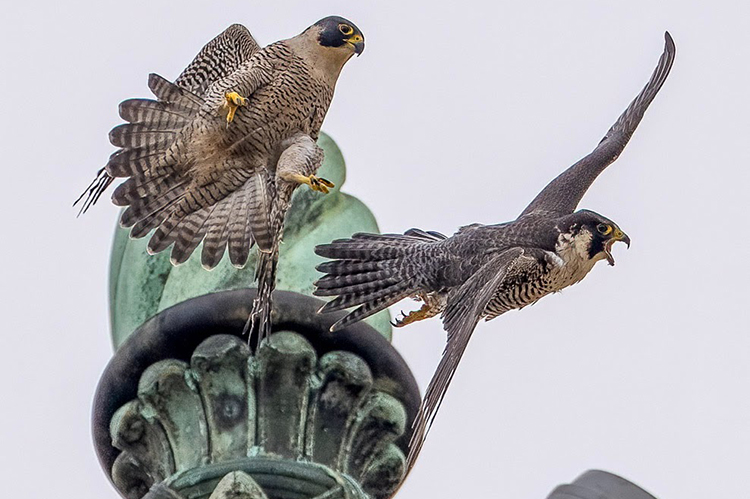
(193, 423)
(185, 410)
(142, 285)
(184, 405)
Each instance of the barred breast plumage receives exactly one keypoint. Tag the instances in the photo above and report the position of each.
(524, 288)
(549, 272)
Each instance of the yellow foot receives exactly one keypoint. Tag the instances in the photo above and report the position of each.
(315, 183)
(423, 313)
(232, 100)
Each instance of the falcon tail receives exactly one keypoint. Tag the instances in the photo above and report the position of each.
(155, 186)
(372, 272)
(259, 321)
(144, 141)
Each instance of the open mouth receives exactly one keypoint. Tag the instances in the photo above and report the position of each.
(608, 251)
(618, 236)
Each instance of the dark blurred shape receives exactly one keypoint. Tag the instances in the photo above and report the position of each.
(596, 484)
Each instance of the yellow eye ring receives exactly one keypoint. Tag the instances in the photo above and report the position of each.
(345, 29)
(604, 229)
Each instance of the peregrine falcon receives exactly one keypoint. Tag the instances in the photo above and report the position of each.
(217, 155)
(483, 271)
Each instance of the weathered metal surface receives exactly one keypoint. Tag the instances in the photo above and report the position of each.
(142, 285)
(312, 414)
(238, 485)
(286, 375)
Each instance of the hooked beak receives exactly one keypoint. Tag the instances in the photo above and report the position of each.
(358, 42)
(618, 235)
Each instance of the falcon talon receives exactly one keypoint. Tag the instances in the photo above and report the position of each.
(318, 184)
(425, 312)
(232, 101)
(395, 322)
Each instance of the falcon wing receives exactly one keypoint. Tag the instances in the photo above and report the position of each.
(219, 58)
(464, 309)
(563, 194)
(161, 193)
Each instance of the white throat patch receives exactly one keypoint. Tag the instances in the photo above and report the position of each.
(574, 252)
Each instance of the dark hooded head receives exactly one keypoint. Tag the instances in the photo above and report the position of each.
(596, 232)
(338, 32)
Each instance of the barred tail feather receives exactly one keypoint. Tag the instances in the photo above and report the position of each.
(365, 247)
(139, 162)
(145, 142)
(216, 236)
(361, 294)
(333, 285)
(190, 235)
(240, 236)
(348, 267)
(371, 272)
(373, 307)
(151, 128)
(180, 98)
(157, 115)
(141, 209)
(260, 205)
(134, 190)
(136, 135)
(149, 222)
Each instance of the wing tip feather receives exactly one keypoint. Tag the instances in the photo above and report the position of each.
(669, 42)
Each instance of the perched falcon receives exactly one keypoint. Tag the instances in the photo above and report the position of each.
(217, 155)
(483, 271)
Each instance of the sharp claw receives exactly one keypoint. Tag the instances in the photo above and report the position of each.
(319, 184)
(399, 321)
(425, 312)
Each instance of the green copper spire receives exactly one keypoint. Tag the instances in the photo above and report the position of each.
(142, 285)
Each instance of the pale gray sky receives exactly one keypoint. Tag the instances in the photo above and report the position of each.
(457, 112)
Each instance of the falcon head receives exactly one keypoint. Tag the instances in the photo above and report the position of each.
(341, 35)
(592, 235)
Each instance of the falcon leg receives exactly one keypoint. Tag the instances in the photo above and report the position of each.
(315, 183)
(425, 312)
(232, 100)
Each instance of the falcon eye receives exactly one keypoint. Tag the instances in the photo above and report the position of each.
(604, 229)
(345, 29)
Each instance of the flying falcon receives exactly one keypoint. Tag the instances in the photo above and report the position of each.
(483, 271)
(217, 155)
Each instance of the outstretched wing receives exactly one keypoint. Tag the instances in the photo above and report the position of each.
(563, 194)
(464, 309)
(160, 194)
(219, 58)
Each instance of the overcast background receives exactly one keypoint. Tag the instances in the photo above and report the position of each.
(457, 112)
